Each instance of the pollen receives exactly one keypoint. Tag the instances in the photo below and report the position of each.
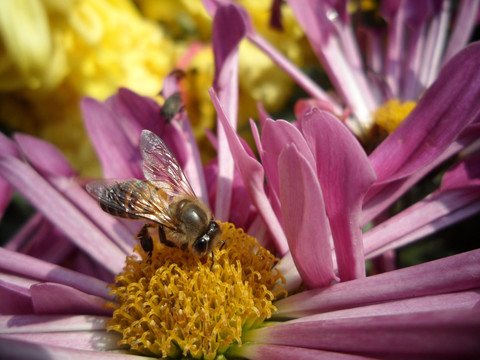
(391, 114)
(177, 305)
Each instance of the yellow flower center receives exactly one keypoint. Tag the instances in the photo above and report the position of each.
(391, 114)
(175, 304)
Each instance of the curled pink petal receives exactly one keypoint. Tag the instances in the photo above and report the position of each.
(345, 174)
(304, 217)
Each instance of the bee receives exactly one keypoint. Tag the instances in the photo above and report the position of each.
(166, 201)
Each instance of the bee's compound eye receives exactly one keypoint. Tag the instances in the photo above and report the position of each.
(201, 244)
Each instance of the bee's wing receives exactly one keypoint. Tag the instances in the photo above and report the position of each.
(133, 199)
(161, 167)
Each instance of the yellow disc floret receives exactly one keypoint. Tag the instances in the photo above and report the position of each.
(391, 114)
(175, 304)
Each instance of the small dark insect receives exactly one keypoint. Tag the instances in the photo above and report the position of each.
(172, 106)
(165, 200)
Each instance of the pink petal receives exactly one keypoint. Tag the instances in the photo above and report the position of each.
(213, 5)
(274, 352)
(331, 39)
(33, 225)
(446, 108)
(33, 268)
(5, 194)
(434, 334)
(256, 138)
(262, 114)
(464, 173)
(171, 83)
(228, 31)
(459, 272)
(134, 113)
(48, 243)
(7, 147)
(51, 323)
(19, 349)
(51, 298)
(456, 199)
(17, 283)
(345, 175)
(15, 299)
(74, 340)
(118, 156)
(421, 219)
(50, 163)
(464, 24)
(276, 15)
(62, 213)
(259, 231)
(275, 135)
(435, 38)
(306, 223)
(44, 157)
(242, 210)
(463, 300)
(380, 197)
(84, 264)
(111, 226)
(253, 178)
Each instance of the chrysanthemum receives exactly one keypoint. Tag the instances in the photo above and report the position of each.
(320, 188)
(379, 62)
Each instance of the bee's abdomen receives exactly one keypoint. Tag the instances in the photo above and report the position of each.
(124, 199)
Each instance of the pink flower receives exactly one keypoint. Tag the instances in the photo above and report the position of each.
(308, 198)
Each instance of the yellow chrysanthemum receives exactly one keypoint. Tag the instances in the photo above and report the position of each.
(55, 52)
(173, 304)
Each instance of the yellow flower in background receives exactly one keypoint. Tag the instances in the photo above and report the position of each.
(56, 52)
(183, 19)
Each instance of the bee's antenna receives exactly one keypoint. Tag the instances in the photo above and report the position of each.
(223, 244)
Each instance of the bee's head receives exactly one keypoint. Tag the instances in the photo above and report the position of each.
(207, 241)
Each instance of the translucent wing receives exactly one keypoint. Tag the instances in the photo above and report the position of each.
(133, 199)
(161, 167)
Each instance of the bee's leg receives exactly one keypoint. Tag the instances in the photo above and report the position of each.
(146, 240)
(163, 238)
